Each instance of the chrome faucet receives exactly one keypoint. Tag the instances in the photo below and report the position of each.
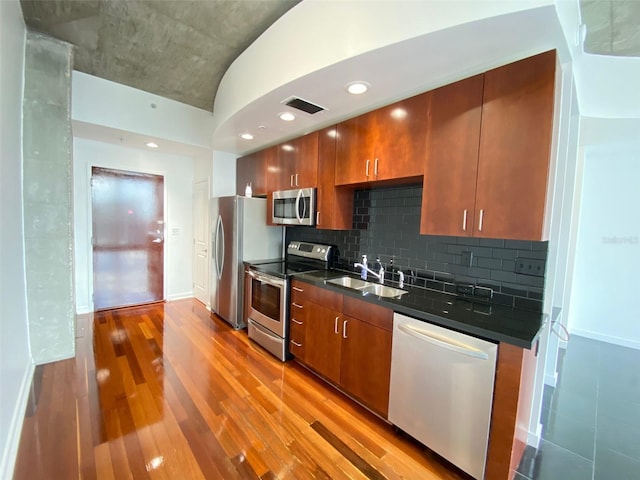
(363, 266)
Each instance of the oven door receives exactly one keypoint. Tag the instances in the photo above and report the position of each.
(269, 300)
(294, 207)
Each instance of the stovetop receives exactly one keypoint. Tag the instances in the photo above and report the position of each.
(302, 257)
(282, 269)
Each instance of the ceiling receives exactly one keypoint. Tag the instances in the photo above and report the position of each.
(176, 49)
(181, 49)
(612, 27)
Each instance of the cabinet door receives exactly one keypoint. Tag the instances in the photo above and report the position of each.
(449, 187)
(353, 151)
(515, 145)
(323, 341)
(298, 162)
(366, 363)
(251, 168)
(334, 204)
(399, 136)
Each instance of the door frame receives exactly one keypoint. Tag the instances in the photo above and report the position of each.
(88, 240)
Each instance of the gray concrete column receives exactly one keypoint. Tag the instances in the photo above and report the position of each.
(47, 192)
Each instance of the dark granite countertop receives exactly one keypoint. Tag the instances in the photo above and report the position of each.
(493, 322)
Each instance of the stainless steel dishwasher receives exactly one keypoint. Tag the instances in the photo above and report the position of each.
(442, 390)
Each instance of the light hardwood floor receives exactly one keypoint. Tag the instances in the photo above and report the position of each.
(168, 391)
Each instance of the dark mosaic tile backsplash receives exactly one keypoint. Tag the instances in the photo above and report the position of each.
(386, 224)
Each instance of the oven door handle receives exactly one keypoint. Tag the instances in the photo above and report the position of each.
(276, 282)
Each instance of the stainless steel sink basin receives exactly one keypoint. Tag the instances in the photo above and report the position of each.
(382, 291)
(350, 282)
(367, 288)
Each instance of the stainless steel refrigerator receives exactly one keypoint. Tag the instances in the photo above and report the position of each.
(239, 234)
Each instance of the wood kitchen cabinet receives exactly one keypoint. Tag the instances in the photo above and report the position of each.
(488, 153)
(515, 146)
(334, 209)
(366, 347)
(449, 187)
(298, 163)
(386, 144)
(345, 340)
(252, 169)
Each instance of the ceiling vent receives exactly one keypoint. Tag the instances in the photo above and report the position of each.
(300, 104)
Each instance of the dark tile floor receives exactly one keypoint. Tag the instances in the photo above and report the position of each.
(591, 420)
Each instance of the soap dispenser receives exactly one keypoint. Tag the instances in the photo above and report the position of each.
(363, 272)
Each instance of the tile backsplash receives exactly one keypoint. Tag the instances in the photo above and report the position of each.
(386, 224)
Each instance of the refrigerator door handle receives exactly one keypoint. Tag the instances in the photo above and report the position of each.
(219, 242)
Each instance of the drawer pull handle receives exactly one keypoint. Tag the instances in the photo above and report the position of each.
(297, 322)
(296, 343)
(298, 289)
(296, 305)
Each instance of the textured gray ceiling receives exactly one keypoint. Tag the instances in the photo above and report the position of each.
(613, 27)
(180, 49)
(176, 49)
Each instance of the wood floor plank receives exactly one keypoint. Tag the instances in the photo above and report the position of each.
(170, 391)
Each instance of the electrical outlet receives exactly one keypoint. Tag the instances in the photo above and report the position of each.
(530, 266)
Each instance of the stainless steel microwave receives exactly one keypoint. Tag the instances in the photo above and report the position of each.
(294, 207)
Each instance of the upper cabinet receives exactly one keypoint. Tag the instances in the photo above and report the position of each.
(334, 209)
(515, 147)
(252, 169)
(385, 144)
(449, 188)
(298, 163)
(488, 153)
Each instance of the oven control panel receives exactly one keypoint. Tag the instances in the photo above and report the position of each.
(310, 250)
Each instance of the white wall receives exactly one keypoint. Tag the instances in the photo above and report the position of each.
(607, 262)
(16, 369)
(108, 104)
(178, 180)
(223, 174)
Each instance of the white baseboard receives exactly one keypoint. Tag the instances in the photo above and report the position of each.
(179, 296)
(7, 463)
(533, 438)
(606, 338)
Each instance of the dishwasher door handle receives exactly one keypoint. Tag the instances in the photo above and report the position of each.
(443, 342)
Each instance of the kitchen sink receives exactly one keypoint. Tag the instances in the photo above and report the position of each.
(382, 291)
(350, 282)
(367, 288)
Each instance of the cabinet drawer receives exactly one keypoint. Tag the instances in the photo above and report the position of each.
(302, 293)
(368, 312)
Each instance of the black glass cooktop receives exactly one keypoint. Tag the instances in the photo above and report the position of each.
(283, 269)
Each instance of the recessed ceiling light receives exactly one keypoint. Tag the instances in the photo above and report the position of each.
(152, 145)
(287, 116)
(357, 88)
(247, 136)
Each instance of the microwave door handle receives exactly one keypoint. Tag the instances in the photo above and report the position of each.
(298, 200)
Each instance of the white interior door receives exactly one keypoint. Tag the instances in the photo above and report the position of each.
(201, 241)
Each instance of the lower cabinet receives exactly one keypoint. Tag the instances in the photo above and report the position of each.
(345, 340)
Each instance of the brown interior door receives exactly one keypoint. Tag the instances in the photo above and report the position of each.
(128, 238)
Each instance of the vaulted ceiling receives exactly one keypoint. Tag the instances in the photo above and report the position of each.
(175, 49)
(180, 49)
